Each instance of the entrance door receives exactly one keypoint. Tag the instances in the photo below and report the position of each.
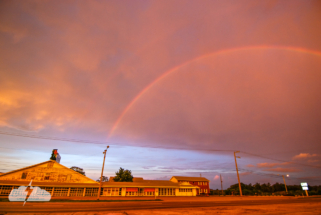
(140, 191)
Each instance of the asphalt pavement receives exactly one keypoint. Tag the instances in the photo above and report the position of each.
(45, 207)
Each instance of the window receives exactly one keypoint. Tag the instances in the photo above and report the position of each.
(91, 192)
(60, 191)
(47, 176)
(185, 190)
(149, 193)
(115, 191)
(24, 175)
(131, 193)
(48, 189)
(6, 190)
(166, 192)
(76, 191)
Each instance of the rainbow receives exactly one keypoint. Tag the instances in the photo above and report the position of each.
(224, 51)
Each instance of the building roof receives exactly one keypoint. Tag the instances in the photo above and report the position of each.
(25, 168)
(47, 184)
(56, 163)
(187, 178)
(147, 183)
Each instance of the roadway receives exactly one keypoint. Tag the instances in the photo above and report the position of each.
(46, 207)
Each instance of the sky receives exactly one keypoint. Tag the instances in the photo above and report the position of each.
(173, 87)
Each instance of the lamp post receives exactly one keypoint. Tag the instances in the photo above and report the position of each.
(286, 189)
(102, 171)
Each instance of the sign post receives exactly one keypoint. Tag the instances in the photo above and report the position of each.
(305, 187)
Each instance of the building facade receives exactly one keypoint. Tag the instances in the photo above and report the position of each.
(201, 182)
(60, 181)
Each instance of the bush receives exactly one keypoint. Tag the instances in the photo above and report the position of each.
(288, 194)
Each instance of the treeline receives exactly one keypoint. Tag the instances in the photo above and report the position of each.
(267, 189)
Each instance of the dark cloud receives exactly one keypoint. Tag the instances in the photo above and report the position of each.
(70, 69)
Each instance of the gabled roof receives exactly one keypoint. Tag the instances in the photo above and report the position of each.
(187, 178)
(35, 165)
(17, 170)
(47, 184)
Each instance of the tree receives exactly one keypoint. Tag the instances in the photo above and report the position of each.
(104, 179)
(78, 169)
(123, 175)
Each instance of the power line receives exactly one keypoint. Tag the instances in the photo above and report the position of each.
(145, 146)
(105, 142)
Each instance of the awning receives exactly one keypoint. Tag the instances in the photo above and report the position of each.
(149, 190)
(131, 189)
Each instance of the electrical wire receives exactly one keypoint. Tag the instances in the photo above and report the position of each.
(145, 146)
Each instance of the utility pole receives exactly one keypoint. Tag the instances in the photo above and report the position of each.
(237, 171)
(102, 172)
(286, 189)
(221, 184)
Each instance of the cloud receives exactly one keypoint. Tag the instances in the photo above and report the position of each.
(71, 70)
(148, 167)
(313, 161)
(250, 165)
(263, 165)
(163, 178)
(269, 165)
(304, 155)
(280, 169)
(245, 173)
(216, 177)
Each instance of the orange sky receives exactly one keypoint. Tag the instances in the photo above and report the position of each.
(213, 75)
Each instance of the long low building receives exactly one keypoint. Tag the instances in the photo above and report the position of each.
(60, 181)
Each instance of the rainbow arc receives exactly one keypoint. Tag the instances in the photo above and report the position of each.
(212, 54)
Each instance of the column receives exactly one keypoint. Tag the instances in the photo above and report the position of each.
(194, 191)
(68, 192)
(123, 191)
(156, 191)
(52, 192)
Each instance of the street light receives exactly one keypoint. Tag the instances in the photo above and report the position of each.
(286, 189)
